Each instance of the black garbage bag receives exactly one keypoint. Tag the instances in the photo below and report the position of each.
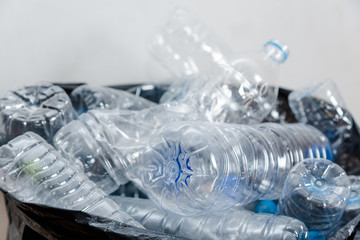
(34, 221)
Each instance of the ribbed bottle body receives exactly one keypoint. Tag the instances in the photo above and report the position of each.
(230, 224)
(108, 142)
(193, 168)
(33, 171)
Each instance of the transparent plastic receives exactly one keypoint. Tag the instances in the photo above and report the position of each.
(88, 97)
(185, 46)
(108, 142)
(222, 225)
(226, 96)
(236, 91)
(322, 106)
(192, 168)
(316, 191)
(33, 171)
(42, 109)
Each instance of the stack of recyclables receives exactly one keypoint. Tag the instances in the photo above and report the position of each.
(201, 155)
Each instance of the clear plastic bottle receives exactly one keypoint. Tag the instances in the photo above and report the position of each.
(261, 69)
(233, 91)
(108, 142)
(185, 46)
(221, 225)
(227, 96)
(316, 191)
(322, 106)
(42, 109)
(33, 171)
(88, 97)
(192, 168)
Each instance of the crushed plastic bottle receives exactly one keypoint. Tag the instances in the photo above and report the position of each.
(86, 97)
(109, 142)
(42, 109)
(33, 171)
(192, 168)
(316, 191)
(221, 225)
(235, 91)
(232, 94)
(184, 46)
(322, 106)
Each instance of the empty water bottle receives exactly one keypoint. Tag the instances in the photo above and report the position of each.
(316, 191)
(193, 168)
(221, 225)
(33, 171)
(184, 46)
(109, 142)
(238, 94)
(322, 106)
(42, 109)
(224, 90)
(87, 97)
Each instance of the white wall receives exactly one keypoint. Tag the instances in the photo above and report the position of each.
(104, 42)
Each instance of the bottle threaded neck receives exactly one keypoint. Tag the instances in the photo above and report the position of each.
(276, 50)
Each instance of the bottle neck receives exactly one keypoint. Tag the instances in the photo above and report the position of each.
(275, 51)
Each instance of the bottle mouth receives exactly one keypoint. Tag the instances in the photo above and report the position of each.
(276, 50)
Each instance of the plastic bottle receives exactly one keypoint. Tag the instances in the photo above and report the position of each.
(221, 225)
(322, 106)
(226, 95)
(42, 108)
(184, 46)
(108, 142)
(225, 90)
(192, 168)
(87, 97)
(316, 191)
(33, 171)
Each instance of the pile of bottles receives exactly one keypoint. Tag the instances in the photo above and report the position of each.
(220, 153)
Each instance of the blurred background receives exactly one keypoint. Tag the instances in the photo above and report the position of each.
(105, 42)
